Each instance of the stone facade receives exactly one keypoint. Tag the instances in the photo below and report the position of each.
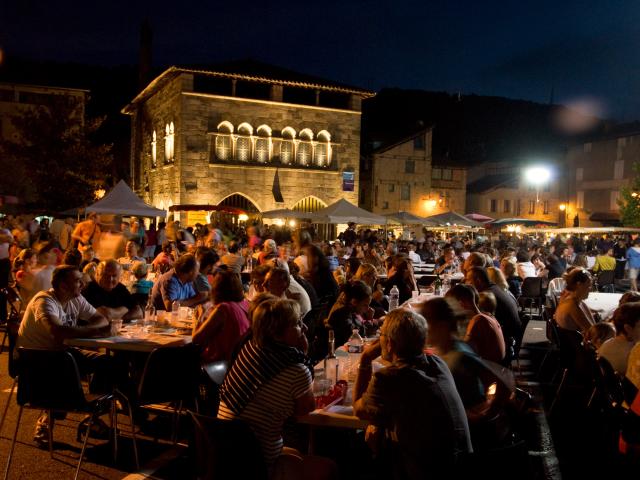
(595, 173)
(196, 172)
(401, 177)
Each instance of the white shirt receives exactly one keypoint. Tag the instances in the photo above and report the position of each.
(44, 307)
(302, 297)
(526, 269)
(414, 257)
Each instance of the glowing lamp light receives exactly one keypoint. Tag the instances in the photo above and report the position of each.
(243, 217)
(537, 175)
(514, 228)
(99, 193)
(292, 223)
(430, 204)
(279, 222)
(562, 207)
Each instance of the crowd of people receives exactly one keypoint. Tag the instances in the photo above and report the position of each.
(266, 300)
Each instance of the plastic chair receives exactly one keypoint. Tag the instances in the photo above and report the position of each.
(214, 373)
(531, 294)
(50, 380)
(226, 449)
(605, 281)
(170, 375)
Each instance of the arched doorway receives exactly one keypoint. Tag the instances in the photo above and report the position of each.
(313, 204)
(237, 200)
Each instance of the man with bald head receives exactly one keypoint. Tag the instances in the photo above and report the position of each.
(475, 259)
(109, 296)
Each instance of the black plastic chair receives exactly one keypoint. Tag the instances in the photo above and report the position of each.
(213, 373)
(531, 295)
(572, 359)
(605, 280)
(226, 449)
(171, 375)
(50, 380)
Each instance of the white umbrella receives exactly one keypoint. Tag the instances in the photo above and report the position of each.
(345, 212)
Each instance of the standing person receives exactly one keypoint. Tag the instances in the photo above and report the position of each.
(633, 261)
(46, 264)
(65, 234)
(161, 237)
(151, 243)
(87, 233)
(412, 405)
(604, 261)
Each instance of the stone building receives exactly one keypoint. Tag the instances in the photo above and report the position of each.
(218, 137)
(596, 171)
(502, 191)
(401, 175)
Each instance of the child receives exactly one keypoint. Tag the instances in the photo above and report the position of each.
(600, 333)
(142, 286)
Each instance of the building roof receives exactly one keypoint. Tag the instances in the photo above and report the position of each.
(15, 85)
(491, 182)
(251, 71)
(383, 144)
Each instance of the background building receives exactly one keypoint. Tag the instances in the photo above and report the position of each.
(218, 137)
(596, 171)
(400, 175)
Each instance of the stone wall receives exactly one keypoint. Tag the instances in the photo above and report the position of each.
(196, 116)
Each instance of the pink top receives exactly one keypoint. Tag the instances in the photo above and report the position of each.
(233, 322)
(484, 335)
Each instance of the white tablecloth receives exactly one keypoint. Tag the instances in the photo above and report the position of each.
(603, 303)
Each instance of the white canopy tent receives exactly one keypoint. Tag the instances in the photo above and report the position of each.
(345, 212)
(123, 201)
(406, 218)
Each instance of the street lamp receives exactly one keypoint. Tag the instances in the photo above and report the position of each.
(537, 176)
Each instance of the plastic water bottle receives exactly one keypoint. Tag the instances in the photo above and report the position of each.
(149, 315)
(394, 298)
(355, 346)
(175, 311)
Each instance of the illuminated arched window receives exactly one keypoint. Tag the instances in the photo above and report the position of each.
(169, 142)
(262, 151)
(224, 142)
(304, 154)
(154, 150)
(243, 142)
(322, 151)
(286, 145)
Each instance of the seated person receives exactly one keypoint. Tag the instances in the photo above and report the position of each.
(141, 287)
(109, 296)
(473, 376)
(599, 334)
(270, 372)
(572, 313)
(484, 333)
(295, 291)
(401, 276)
(626, 319)
(53, 316)
(352, 313)
(131, 255)
(447, 263)
(256, 286)
(207, 259)
(277, 282)
(164, 260)
(232, 258)
(412, 405)
(177, 285)
(226, 322)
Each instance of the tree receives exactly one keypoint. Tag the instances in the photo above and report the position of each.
(53, 160)
(629, 201)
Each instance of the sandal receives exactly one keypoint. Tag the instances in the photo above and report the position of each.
(99, 429)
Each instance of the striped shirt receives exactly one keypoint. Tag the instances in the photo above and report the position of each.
(273, 403)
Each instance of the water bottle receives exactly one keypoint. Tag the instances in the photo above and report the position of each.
(394, 298)
(355, 346)
(149, 315)
(175, 311)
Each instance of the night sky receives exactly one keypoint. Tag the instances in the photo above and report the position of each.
(582, 50)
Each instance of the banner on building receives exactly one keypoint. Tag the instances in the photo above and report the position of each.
(348, 181)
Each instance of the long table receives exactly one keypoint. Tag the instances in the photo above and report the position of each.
(129, 341)
(334, 417)
(603, 303)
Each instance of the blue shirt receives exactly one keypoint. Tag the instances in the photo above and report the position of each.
(170, 288)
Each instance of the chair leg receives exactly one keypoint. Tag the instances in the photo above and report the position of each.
(133, 435)
(565, 373)
(114, 429)
(50, 430)
(13, 444)
(84, 446)
(6, 407)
